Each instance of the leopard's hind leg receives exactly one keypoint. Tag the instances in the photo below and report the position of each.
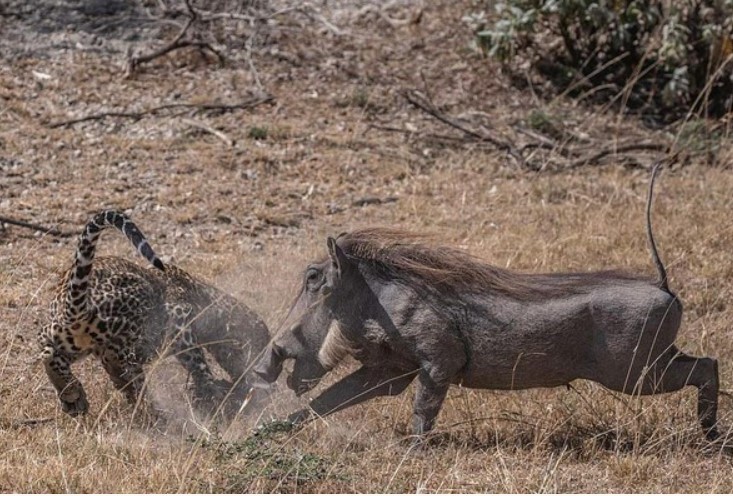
(57, 359)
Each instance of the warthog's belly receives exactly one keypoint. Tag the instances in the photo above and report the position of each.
(523, 371)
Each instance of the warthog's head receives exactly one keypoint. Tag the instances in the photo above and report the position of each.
(310, 334)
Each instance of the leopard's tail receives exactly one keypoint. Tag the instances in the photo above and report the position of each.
(78, 282)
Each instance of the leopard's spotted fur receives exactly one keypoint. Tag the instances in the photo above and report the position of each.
(126, 315)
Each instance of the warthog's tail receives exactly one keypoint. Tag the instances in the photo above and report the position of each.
(663, 283)
(77, 288)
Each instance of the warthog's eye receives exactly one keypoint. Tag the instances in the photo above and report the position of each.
(313, 278)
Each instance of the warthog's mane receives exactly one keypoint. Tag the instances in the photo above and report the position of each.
(408, 257)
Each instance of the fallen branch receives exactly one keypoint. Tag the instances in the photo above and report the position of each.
(200, 125)
(32, 421)
(373, 200)
(35, 227)
(418, 101)
(134, 62)
(380, 12)
(208, 16)
(310, 11)
(177, 43)
(545, 143)
(419, 134)
(615, 150)
(197, 107)
(541, 142)
(189, 36)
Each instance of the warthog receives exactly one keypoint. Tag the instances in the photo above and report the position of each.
(405, 309)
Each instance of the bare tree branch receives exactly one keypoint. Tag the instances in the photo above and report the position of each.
(35, 227)
(617, 150)
(416, 100)
(196, 107)
(215, 132)
(133, 63)
(576, 158)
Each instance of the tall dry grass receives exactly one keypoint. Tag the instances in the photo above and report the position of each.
(249, 217)
(581, 439)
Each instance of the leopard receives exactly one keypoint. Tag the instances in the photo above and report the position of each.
(127, 315)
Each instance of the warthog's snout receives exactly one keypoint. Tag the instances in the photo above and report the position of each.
(270, 365)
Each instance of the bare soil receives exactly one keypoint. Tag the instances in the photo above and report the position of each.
(245, 198)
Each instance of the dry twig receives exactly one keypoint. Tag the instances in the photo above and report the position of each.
(541, 142)
(195, 107)
(32, 421)
(196, 17)
(421, 103)
(616, 150)
(200, 125)
(178, 42)
(47, 230)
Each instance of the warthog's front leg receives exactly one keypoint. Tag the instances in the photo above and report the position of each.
(362, 385)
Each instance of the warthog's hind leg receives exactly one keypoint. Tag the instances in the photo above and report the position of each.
(702, 373)
(674, 373)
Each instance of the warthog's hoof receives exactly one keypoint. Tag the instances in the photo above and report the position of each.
(300, 417)
(712, 434)
(74, 403)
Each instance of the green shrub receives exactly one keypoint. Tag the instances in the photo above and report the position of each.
(258, 133)
(662, 56)
(269, 454)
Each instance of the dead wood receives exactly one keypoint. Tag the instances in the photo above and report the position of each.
(441, 138)
(203, 127)
(31, 421)
(35, 227)
(574, 156)
(373, 200)
(194, 107)
(133, 63)
(414, 98)
(617, 150)
(6, 423)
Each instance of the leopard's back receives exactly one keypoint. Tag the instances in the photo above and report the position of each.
(125, 302)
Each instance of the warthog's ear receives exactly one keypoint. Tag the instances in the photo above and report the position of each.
(337, 255)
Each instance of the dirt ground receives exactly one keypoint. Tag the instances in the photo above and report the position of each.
(246, 197)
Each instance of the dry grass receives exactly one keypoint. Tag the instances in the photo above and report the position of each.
(251, 216)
